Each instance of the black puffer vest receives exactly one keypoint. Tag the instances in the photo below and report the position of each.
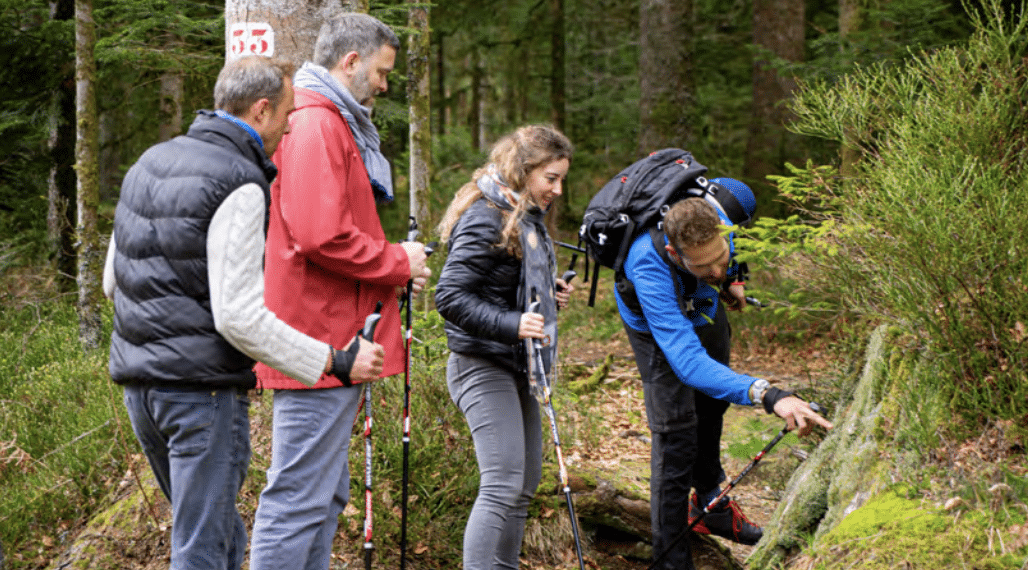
(163, 327)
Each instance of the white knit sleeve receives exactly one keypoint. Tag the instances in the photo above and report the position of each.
(108, 280)
(235, 266)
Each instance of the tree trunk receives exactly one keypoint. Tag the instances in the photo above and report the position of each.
(666, 84)
(778, 29)
(558, 93)
(475, 108)
(440, 78)
(285, 30)
(419, 98)
(90, 250)
(172, 92)
(61, 182)
(852, 18)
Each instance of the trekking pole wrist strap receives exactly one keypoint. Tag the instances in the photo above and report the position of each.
(342, 361)
(771, 397)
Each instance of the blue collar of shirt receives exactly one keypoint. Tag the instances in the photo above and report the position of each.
(246, 126)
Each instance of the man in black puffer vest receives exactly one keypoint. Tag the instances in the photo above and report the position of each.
(185, 271)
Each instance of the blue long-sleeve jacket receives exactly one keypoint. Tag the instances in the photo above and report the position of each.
(675, 334)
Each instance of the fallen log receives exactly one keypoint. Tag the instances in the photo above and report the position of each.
(614, 515)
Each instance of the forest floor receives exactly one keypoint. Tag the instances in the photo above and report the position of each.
(613, 438)
(746, 431)
(606, 429)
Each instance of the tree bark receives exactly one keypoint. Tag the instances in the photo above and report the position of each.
(442, 107)
(61, 181)
(778, 30)
(558, 92)
(419, 88)
(172, 92)
(475, 108)
(666, 84)
(285, 30)
(90, 251)
(852, 18)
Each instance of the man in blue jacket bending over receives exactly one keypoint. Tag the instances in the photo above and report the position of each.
(672, 300)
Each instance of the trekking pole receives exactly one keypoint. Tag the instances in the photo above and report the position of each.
(412, 234)
(710, 506)
(566, 245)
(541, 390)
(368, 333)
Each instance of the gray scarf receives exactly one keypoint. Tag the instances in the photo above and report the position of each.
(538, 265)
(317, 78)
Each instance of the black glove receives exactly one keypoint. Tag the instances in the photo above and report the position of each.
(342, 361)
(771, 397)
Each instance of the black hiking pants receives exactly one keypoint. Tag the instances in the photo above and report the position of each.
(686, 428)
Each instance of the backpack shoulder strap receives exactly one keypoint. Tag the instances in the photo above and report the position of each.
(685, 303)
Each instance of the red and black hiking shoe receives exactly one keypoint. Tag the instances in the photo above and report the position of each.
(725, 520)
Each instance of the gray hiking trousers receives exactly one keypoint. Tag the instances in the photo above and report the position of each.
(505, 425)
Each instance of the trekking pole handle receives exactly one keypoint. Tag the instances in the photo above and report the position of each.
(567, 277)
(533, 305)
(368, 332)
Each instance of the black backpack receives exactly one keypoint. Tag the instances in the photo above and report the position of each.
(637, 199)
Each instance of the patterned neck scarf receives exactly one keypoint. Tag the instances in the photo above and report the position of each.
(538, 265)
(365, 134)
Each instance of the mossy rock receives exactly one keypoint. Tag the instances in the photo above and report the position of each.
(838, 476)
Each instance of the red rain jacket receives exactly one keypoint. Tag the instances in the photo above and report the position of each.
(327, 260)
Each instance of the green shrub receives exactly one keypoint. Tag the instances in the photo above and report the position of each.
(61, 428)
(927, 228)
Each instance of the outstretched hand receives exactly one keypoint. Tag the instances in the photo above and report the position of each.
(798, 415)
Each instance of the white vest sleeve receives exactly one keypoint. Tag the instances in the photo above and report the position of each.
(235, 267)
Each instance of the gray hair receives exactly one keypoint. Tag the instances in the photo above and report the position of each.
(246, 80)
(351, 32)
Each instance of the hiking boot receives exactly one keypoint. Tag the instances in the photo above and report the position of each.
(725, 520)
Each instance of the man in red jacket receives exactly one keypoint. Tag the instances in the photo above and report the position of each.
(327, 264)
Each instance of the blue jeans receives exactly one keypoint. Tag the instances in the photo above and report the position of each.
(686, 426)
(505, 424)
(198, 445)
(308, 480)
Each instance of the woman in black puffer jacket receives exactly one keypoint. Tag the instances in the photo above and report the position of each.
(499, 256)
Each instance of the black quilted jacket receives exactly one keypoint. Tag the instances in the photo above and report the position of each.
(477, 292)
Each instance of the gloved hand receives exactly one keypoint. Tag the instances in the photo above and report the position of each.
(360, 362)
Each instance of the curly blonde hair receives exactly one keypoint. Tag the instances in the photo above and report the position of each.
(515, 156)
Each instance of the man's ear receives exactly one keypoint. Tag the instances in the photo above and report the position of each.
(261, 110)
(346, 67)
(350, 62)
(258, 114)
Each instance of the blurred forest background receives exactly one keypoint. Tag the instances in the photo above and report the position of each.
(620, 77)
(886, 140)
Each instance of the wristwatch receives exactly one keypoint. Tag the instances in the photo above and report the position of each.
(757, 390)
